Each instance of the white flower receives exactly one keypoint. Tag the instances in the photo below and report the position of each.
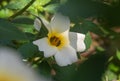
(60, 42)
(37, 24)
(12, 68)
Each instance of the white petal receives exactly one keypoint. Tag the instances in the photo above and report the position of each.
(12, 68)
(60, 23)
(77, 41)
(37, 24)
(66, 35)
(43, 45)
(66, 56)
(46, 23)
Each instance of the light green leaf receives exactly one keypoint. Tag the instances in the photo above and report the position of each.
(113, 67)
(118, 54)
(51, 8)
(17, 4)
(88, 40)
(44, 2)
(25, 27)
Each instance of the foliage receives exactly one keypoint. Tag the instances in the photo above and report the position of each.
(98, 19)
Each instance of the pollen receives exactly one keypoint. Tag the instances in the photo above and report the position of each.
(55, 41)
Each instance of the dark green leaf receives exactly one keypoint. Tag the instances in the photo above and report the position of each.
(23, 20)
(28, 50)
(30, 36)
(45, 69)
(65, 73)
(6, 43)
(92, 69)
(82, 8)
(9, 32)
(86, 26)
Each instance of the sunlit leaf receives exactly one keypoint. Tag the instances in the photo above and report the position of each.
(17, 4)
(118, 54)
(5, 13)
(43, 2)
(88, 40)
(51, 8)
(113, 67)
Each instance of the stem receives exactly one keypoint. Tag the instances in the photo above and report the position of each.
(22, 10)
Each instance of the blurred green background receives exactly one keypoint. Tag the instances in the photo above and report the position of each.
(98, 19)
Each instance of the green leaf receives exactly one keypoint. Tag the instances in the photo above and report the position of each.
(82, 8)
(9, 32)
(25, 27)
(51, 8)
(19, 20)
(17, 4)
(118, 54)
(90, 26)
(65, 73)
(28, 50)
(30, 36)
(44, 69)
(113, 67)
(88, 40)
(86, 26)
(44, 2)
(6, 43)
(5, 13)
(92, 69)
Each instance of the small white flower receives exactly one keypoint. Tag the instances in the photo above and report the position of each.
(60, 42)
(13, 69)
(37, 24)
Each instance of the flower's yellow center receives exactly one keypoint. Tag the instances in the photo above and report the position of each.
(57, 40)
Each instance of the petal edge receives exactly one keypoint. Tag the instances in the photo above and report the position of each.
(66, 56)
(44, 46)
(77, 41)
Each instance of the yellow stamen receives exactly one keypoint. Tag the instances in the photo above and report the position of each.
(57, 40)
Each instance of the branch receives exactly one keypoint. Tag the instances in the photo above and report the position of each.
(22, 10)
